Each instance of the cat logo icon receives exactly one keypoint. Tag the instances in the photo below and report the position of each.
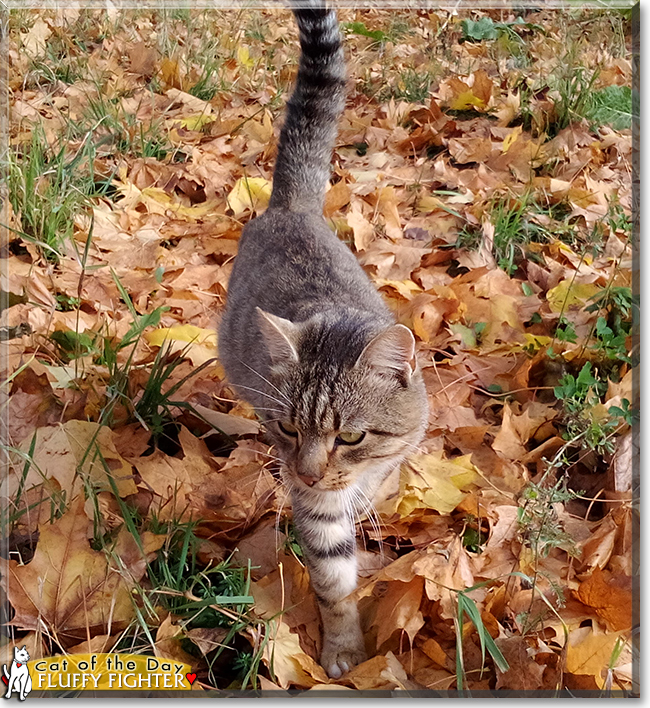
(18, 678)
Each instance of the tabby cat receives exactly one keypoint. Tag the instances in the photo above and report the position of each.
(308, 341)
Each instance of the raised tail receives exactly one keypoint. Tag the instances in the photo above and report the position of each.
(302, 168)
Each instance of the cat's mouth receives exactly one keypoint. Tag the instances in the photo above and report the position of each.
(317, 484)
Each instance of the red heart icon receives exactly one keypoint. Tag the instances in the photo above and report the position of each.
(191, 678)
(4, 678)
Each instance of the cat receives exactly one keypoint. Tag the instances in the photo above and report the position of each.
(308, 341)
(18, 678)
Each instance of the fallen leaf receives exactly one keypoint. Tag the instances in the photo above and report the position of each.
(611, 596)
(524, 674)
(431, 482)
(249, 194)
(67, 585)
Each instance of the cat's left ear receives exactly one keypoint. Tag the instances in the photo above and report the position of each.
(280, 337)
(393, 349)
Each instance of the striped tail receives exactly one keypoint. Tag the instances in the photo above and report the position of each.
(302, 169)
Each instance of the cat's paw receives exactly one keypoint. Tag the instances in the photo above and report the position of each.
(338, 659)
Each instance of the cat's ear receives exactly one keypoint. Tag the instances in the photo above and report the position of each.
(280, 336)
(393, 349)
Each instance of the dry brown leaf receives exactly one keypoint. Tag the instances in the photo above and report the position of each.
(291, 666)
(67, 585)
(524, 674)
(399, 608)
(610, 595)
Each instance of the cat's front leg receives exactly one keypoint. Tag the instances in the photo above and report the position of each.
(343, 645)
(10, 687)
(329, 545)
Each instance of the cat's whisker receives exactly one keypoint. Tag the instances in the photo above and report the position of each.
(372, 515)
(419, 449)
(273, 386)
(278, 516)
(262, 393)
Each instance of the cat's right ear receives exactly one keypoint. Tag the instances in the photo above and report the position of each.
(280, 337)
(392, 350)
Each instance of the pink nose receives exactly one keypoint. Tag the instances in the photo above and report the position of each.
(309, 481)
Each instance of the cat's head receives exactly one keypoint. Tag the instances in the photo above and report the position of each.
(344, 407)
(21, 655)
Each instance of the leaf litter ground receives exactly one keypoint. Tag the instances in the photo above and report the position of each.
(482, 175)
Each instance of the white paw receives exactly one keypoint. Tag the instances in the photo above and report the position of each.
(337, 660)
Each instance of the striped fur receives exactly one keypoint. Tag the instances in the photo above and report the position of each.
(307, 339)
(302, 169)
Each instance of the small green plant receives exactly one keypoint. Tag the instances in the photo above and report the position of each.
(467, 607)
(194, 593)
(565, 331)
(291, 542)
(572, 89)
(205, 597)
(514, 227)
(66, 303)
(579, 391)
(585, 422)
(539, 527)
(360, 29)
(116, 130)
(209, 83)
(412, 85)
(47, 187)
(617, 310)
(486, 29)
(611, 105)
(473, 536)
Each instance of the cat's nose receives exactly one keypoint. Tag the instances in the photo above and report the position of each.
(310, 481)
(312, 460)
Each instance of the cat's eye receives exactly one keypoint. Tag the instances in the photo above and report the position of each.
(288, 429)
(350, 437)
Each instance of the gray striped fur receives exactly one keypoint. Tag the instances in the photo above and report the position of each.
(308, 341)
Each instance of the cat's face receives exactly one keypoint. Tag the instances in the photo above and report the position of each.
(21, 655)
(338, 418)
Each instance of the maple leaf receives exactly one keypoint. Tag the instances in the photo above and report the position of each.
(431, 482)
(610, 595)
(249, 193)
(72, 588)
(291, 666)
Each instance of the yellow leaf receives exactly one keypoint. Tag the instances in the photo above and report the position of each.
(429, 203)
(536, 341)
(589, 653)
(465, 100)
(244, 57)
(158, 201)
(182, 333)
(569, 292)
(249, 193)
(196, 122)
(431, 482)
(511, 138)
(196, 344)
(406, 288)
